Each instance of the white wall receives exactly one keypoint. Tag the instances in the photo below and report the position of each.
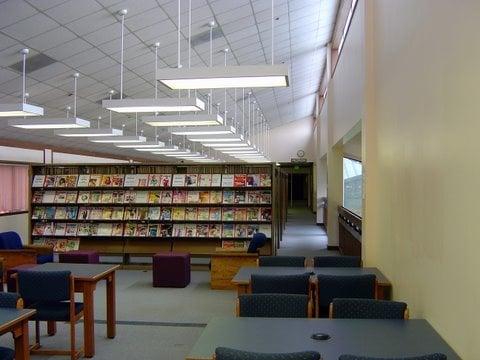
(18, 223)
(287, 139)
(18, 154)
(63, 158)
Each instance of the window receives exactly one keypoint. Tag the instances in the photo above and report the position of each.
(352, 185)
(13, 188)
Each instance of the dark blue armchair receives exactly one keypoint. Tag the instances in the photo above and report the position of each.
(274, 305)
(9, 300)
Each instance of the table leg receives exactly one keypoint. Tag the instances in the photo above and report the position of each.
(20, 334)
(51, 328)
(88, 320)
(383, 292)
(243, 289)
(111, 321)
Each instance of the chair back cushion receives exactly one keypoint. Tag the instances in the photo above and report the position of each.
(222, 353)
(435, 356)
(273, 305)
(293, 261)
(258, 240)
(8, 300)
(10, 240)
(280, 284)
(337, 261)
(333, 286)
(44, 286)
(367, 309)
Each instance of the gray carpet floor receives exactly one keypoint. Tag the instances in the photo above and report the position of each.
(164, 323)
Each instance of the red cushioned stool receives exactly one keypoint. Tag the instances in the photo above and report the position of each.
(79, 257)
(11, 282)
(171, 269)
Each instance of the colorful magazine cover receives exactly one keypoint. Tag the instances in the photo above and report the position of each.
(216, 180)
(95, 197)
(228, 244)
(60, 197)
(49, 213)
(191, 213)
(83, 197)
(227, 231)
(166, 180)
(204, 180)
(193, 197)
(203, 213)
(142, 213)
(141, 180)
(252, 180)
(66, 180)
(107, 180)
(266, 214)
(117, 213)
(48, 197)
(167, 197)
(179, 196)
(215, 230)
(107, 197)
(228, 196)
(228, 214)
(265, 197)
(49, 229)
(240, 230)
(130, 180)
(49, 181)
(37, 213)
(117, 229)
(227, 180)
(202, 230)
(265, 180)
(96, 213)
(71, 229)
(60, 213)
(216, 197)
(191, 180)
(107, 213)
(118, 196)
(178, 230)
(215, 214)
(153, 230)
(265, 229)
(252, 214)
(190, 230)
(71, 197)
(38, 181)
(154, 213)
(240, 214)
(83, 213)
(239, 180)
(141, 197)
(154, 197)
(239, 197)
(104, 229)
(141, 230)
(72, 212)
(166, 230)
(130, 196)
(130, 213)
(178, 180)
(166, 214)
(95, 180)
(38, 229)
(154, 180)
(252, 229)
(83, 180)
(117, 180)
(178, 213)
(37, 197)
(204, 197)
(129, 229)
(253, 197)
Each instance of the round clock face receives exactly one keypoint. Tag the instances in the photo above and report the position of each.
(300, 153)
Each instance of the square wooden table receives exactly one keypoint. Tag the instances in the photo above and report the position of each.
(16, 321)
(242, 278)
(86, 277)
(375, 338)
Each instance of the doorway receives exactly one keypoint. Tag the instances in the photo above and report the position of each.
(298, 190)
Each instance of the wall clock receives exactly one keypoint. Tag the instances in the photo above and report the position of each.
(300, 153)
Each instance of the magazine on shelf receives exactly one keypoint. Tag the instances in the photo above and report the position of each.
(49, 229)
(252, 229)
(153, 230)
(215, 230)
(118, 196)
(178, 180)
(239, 180)
(154, 197)
(83, 180)
(95, 180)
(265, 229)
(240, 230)
(166, 180)
(66, 181)
(190, 230)
(253, 197)
(130, 213)
(71, 197)
(37, 213)
(71, 229)
(178, 230)
(142, 213)
(154, 180)
(107, 197)
(95, 213)
(240, 214)
(203, 213)
(37, 197)
(130, 180)
(94, 229)
(266, 214)
(228, 196)
(202, 230)
(216, 180)
(49, 181)
(117, 213)
(215, 214)
(117, 180)
(60, 197)
(239, 197)
(265, 180)
(95, 197)
(83, 213)
(49, 213)
(227, 230)
(178, 213)
(265, 197)
(216, 197)
(38, 229)
(193, 197)
(72, 212)
(129, 229)
(204, 197)
(117, 229)
(252, 214)
(228, 214)
(166, 214)
(204, 180)
(166, 230)
(227, 180)
(252, 180)
(167, 196)
(107, 213)
(191, 213)
(38, 181)
(228, 244)
(83, 197)
(179, 196)
(154, 213)
(141, 197)
(141, 230)
(191, 180)
(141, 180)
(104, 229)
(48, 197)
(106, 180)
(60, 213)
(130, 196)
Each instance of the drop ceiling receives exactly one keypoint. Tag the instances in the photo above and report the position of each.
(84, 36)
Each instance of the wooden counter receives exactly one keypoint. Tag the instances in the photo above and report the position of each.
(226, 264)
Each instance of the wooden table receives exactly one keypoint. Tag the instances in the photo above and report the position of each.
(225, 264)
(376, 338)
(16, 321)
(86, 277)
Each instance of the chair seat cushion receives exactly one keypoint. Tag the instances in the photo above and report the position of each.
(42, 259)
(223, 353)
(6, 353)
(57, 311)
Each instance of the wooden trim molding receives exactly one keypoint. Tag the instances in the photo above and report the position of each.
(14, 213)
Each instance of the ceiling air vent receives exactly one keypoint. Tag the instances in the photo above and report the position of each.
(34, 63)
(205, 36)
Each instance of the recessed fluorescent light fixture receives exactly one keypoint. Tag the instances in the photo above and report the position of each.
(163, 149)
(144, 145)
(196, 119)
(203, 130)
(153, 105)
(59, 123)
(119, 139)
(23, 109)
(224, 146)
(177, 152)
(245, 76)
(216, 138)
(90, 132)
(240, 152)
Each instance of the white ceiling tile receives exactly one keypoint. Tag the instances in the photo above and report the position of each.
(72, 10)
(92, 22)
(85, 57)
(145, 19)
(96, 66)
(12, 11)
(68, 49)
(45, 4)
(50, 39)
(30, 27)
(134, 7)
(49, 71)
(7, 75)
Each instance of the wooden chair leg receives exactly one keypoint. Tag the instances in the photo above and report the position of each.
(73, 352)
(37, 332)
(51, 328)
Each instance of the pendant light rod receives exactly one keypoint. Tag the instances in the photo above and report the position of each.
(243, 111)
(212, 25)
(24, 53)
(111, 92)
(122, 14)
(189, 37)
(136, 123)
(75, 80)
(225, 52)
(273, 31)
(178, 35)
(156, 45)
(68, 108)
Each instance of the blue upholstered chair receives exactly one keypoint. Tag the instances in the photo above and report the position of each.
(435, 356)
(222, 353)
(51, 293)
(292, 261)
(337, 261)
(274, 305)
(280, 284)
(367, 309)
(336, 286)
(9, 300)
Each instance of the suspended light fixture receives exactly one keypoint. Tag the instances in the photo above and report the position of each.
(22, 109)
(150, 145)
(147, 105)
(92, 132)
(203, 130)
(194, 120)
(122, 139)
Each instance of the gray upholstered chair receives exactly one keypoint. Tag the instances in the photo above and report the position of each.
(435, 356)
(274, 305)
(291, 261)
(9, 300)
(337, 261)
(280, 284)
(367, 309)
(223, 353)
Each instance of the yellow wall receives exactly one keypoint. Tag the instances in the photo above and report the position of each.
(18, 223)
(421, 156)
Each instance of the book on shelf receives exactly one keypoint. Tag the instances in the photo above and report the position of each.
(117, 229)
(265, 229)
(130, 213)
(191, 213)
(204, 197)
(191, 180)
(227, 230)
(83, 213)
(117, 180)
(153, 230)
(265, 180)
(227, 180)
(214, 230)
(130, 196)
(166, 214)
(107, 213)
(239, 180)
(166, 197)
(95, 197)
(38, 181)
(48, 197)
(130, 180)
(70, 229)
(228, 196)
(141, 180)
(179, 196)
(240, 214)
(202, 230)
(142, 213)
(117, 213)
(178, 230)
(193, 197)
(265, 197)
(49, 213)
(204, 180)
(166, 230)
(83, 180)
(72, 212)
(37, 197)
(252, 180)
(178, 213)
(166, 180)
(96, 213)
(154, 180)
(60, 213)
(216, 180)
(104, 229)
(49, 181)
(49, 228)
(203, 213)
(69, 181)
(107, 197)
(178, 180)
(216, 197)
(129, 229)
(83, 197)
(118, 196)
(252, 214)
(71, 197)
(228, 214)
(95, 180)
(239, 197)
(252, 229)
(60, 197)
(240, 230)
(154, 197)
(266, 214)
(215, 214)
(141, 197)
(141, 230)
(154, 213)
(190, 230)
(106, 180)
